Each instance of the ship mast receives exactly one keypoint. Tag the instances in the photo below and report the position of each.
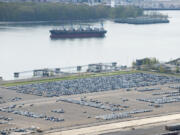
(63, 28)
(72, 27)
(102, 25)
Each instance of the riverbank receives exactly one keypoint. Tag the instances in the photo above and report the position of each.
(163, 9)
(54, 23)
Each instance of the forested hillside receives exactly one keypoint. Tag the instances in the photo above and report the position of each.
(58, 11)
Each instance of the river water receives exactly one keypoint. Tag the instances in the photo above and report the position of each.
(24, 47)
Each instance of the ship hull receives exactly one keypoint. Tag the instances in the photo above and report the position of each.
(77, 35)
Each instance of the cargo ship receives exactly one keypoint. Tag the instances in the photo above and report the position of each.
(78, 33)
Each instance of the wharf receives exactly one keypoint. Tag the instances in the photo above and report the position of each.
(142, 20)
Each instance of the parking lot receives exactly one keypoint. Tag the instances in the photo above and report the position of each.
(134, 95)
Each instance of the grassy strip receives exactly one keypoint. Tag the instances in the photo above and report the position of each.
(84, 76)
(67, 78)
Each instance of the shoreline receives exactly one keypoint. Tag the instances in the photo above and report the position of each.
(53, 22)
(161, 9)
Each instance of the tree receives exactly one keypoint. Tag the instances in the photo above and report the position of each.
(162, 69)
(177, 69)
(29, 11)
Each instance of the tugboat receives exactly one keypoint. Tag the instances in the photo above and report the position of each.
(78, 33)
